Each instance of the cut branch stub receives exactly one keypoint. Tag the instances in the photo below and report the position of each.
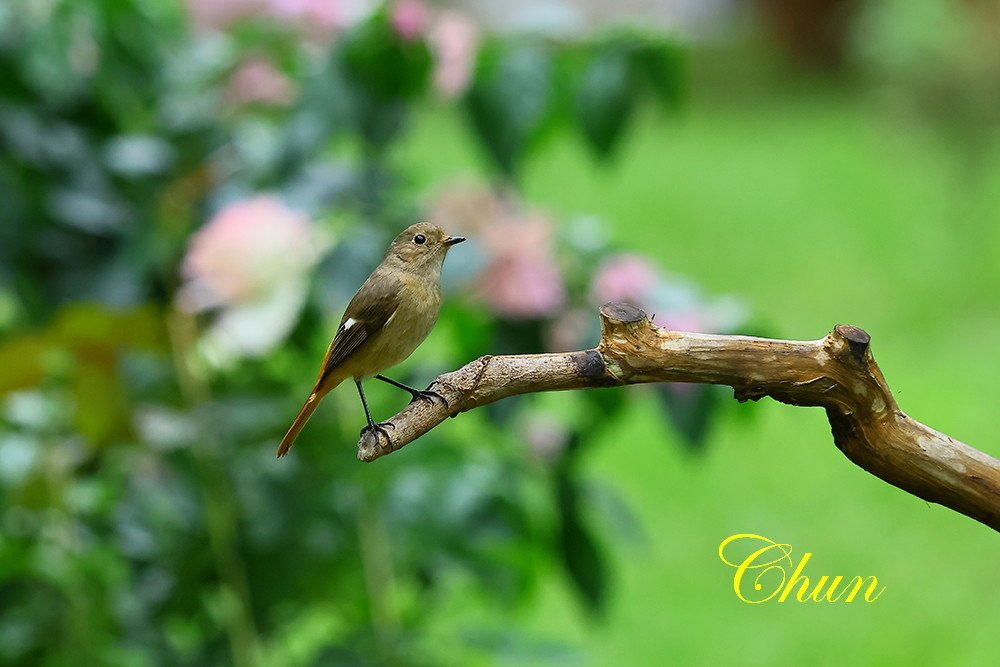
(836, 372)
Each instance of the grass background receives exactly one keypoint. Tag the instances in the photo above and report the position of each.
(817, 205)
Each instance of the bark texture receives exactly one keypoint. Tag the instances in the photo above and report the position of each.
(836, 372)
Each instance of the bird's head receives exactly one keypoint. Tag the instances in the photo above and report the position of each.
(422, 244)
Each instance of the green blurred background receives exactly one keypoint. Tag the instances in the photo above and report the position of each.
(191, 194)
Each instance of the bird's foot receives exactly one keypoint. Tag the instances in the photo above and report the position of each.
(427, 395)
(416, 394)
(378, 429)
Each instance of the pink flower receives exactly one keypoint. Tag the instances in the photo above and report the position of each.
(454, 41)
(521, 279)
(243, 250)
(323, 16)
(409, 18)
(218, 14)
(319, 16)
(468, 207)
(624, 277)
(518, 235)
(250, 263)
(258, 81)
(545, 436)
(523, 287)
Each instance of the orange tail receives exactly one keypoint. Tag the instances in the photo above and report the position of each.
(300, 420)
(324, 384)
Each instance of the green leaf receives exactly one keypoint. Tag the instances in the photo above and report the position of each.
(603, 405)
(22, 360)
(605, 98)
(510, 102)
(382, 64)
(93, 326)
(472, 329)
(659, 65)
(102, 409)
(519, 336)
(690, 408)
(581, 556)
(94, 339)
(382, 72)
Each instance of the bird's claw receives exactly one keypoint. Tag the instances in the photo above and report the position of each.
(428, 395)
(379, 429)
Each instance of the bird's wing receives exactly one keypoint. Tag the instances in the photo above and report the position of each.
(367, 314)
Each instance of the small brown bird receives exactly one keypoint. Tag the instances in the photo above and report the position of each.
(387, 319)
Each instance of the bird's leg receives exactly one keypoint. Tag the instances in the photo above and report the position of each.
(376, 428)
(417, 394)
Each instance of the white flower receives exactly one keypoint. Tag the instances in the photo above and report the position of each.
(250, 263)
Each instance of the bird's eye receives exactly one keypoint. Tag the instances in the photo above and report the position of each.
(419, 239)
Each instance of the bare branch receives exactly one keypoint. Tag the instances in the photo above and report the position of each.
(836, 372)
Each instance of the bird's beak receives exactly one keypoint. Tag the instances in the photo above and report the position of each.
(453, 240)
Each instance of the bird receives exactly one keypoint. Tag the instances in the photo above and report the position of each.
(389, 317)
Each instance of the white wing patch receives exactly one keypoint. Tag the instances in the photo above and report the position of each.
(349, 323)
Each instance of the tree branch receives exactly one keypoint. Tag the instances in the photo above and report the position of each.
(836, 372)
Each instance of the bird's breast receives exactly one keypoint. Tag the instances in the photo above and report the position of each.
(413, 320)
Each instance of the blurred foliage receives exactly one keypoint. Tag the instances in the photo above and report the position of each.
(524, 90)
(939, 62)
(144, 518)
